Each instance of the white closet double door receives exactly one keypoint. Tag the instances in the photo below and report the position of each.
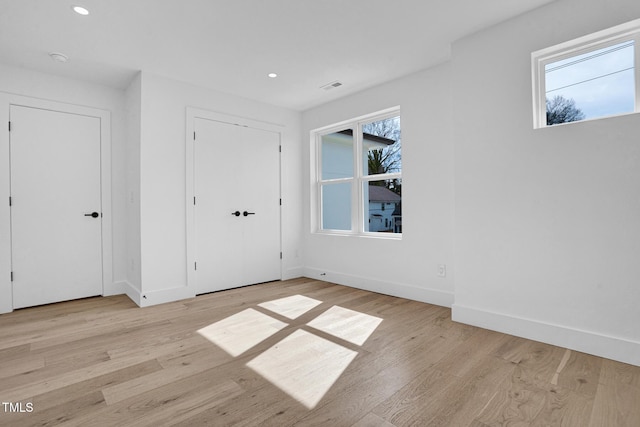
(56, 221)
(237, 205)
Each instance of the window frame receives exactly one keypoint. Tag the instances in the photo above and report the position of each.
(629, 31)
(357, 181)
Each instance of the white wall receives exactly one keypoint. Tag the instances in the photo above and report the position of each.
(18, 81)
(406, 267)
(547, 221)
(133, 101)
(163, 180)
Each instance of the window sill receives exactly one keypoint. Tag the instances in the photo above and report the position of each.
(377, 236)
(593, 119)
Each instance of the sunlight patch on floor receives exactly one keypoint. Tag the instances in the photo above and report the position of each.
(238, 333)
(346, 324)
(291, 307)
(303, 365)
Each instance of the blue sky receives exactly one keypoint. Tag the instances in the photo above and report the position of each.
(601, 82)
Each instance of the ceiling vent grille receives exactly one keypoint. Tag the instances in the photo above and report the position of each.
(331, 85)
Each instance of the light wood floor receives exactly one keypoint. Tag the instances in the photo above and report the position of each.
(105, 362)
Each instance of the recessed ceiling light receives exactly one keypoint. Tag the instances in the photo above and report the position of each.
(59, 57)
(80, 10)
(272, 75)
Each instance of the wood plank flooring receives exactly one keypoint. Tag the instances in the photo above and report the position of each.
(106, 362)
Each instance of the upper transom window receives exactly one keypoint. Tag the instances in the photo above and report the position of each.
(588, 78)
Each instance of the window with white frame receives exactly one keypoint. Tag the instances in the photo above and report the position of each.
(359, 176)
(588, 78)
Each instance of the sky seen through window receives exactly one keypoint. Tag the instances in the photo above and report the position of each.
(601, 82)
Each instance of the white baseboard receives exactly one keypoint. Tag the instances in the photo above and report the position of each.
(292, 273)
(147, 299)
(412, 292)
(165, 295)
(126, 288)
(615, 348)
(116, 288)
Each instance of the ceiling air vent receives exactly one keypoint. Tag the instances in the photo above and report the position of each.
(331, 85)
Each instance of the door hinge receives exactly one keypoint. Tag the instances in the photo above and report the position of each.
(12, 276)
(9, 126)
(195, 265)
(194, 200)
(280, 255)
(10, 201)
(280, 202)
(194, 135)
(280, 148)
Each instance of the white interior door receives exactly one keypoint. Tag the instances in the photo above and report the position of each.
(237, 213)
(261, 248)
(55, 184)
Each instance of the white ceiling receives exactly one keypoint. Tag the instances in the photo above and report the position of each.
(232, 45)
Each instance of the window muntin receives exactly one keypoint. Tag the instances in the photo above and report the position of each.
(343, 178)
(592, 77)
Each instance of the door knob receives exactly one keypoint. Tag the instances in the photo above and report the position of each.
(93, 214)
(236, 213)
(245, 213)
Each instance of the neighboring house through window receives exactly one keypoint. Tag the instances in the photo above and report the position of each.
(381, 219)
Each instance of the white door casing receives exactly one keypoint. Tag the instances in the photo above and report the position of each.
(233, 165)
(56, 173)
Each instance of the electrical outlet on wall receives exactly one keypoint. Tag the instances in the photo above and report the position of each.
(442, 270)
